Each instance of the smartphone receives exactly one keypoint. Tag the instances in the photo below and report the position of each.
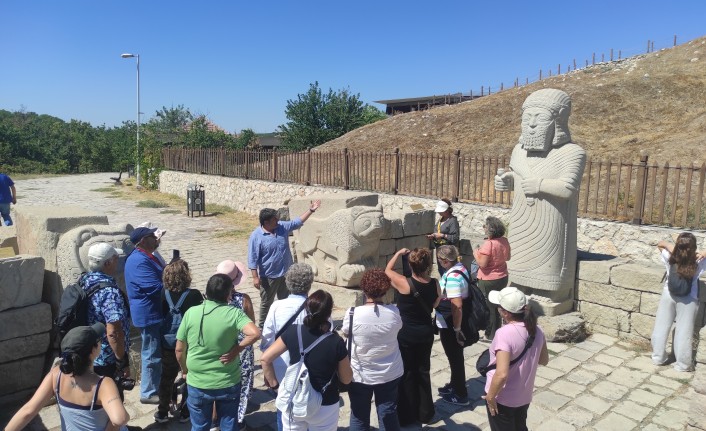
(175, 255)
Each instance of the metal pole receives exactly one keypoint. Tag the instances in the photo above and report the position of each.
(138, 119)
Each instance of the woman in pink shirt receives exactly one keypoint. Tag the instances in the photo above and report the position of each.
(509, 386)
(492, 258)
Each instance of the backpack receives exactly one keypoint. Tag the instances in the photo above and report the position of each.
(172, 320)
(476, 315)
(296, 396)
(73, 307)
(677, 285)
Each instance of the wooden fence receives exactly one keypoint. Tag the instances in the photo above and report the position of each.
(641, 192)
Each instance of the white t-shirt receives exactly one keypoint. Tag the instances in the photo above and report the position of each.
(375, 353)
(279, 313)
(700, 268)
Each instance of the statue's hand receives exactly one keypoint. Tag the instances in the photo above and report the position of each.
(504, 182)
(530, 186)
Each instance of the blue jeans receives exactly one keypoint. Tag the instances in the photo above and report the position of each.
(385, 400)
(151, 360)
(200, 404)
(5, 214)
(279, 420)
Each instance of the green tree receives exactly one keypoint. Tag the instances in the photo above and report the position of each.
(316, 118)
(245, 139)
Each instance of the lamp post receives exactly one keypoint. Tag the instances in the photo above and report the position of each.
(137, 56)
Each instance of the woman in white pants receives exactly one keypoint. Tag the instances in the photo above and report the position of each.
(681, 257)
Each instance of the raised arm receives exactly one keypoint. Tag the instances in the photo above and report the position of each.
(664, 245)
(313, 206)
(398, 281)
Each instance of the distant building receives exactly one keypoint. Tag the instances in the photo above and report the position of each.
(400, 106)
(269, 141)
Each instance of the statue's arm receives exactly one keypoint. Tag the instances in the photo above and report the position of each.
(564, 187)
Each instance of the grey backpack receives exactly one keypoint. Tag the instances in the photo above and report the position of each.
(678, 286)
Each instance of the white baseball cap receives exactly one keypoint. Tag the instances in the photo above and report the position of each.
(510, 299)
(441, 207)
(100, 253)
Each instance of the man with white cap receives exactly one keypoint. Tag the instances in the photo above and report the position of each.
(109, 306)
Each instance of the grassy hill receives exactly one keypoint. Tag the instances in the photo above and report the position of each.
(654, 102)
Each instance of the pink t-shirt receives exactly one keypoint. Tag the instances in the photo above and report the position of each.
(498, 249)
(512, 337)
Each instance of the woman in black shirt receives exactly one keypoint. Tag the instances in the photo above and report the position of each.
(417, 334)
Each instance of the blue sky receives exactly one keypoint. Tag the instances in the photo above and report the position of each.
(239, 62)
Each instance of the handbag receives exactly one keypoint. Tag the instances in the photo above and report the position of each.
(343, 387)
(425, 307)
(483, 361)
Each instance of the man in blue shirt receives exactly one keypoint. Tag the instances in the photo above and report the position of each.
(269, 257)
(8, 195)
(143, 282)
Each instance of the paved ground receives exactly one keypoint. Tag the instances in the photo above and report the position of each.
(599, 384)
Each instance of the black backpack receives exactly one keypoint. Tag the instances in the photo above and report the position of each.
(677, 285)
(475, 311)
(73, 308)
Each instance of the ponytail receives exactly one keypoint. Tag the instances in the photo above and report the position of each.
(530, 320)
(75, 363)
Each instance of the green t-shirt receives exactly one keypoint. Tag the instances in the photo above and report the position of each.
(210, 330)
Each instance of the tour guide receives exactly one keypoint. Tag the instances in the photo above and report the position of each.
(269, 257)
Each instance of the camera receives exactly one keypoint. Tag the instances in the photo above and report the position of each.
(125, 383)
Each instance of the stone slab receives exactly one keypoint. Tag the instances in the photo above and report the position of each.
(565, 328)
(635, 276)
(387, 247)
(642, 325)
(412, 242)
(23, 374)
(23, 347)
(20, 322)
(332, 202)
(608, 295)
(414, 223)
(596, 271)
(21, 281)
(343, 297)
(615, 422)
(605, 316)
(649, 303)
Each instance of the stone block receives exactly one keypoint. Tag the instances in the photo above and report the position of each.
(396, 230)
(412, 242)
(467, 261)
(343, 297)
(21, 281)
(597, 271)
(15, 399)
(20, 322)
(634, 276)
(387, 247)
(23, 374)
(649, 303)
(386, 229)
(23, 347)
(642, 325)
(415, 222)
(608, 295)
(8, 238)
(598, 315)
(332, 202)
(565, 328)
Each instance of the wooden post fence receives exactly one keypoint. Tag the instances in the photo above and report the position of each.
(457, 179)
(396, 189)
(640, 191)
(346, 170)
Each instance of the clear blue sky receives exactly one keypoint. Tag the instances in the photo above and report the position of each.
(238, 62)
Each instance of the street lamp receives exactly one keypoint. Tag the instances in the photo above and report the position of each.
(137, 56)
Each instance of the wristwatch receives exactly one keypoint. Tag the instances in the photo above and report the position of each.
(312, 210)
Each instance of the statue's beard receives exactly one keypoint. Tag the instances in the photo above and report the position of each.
(537, 142)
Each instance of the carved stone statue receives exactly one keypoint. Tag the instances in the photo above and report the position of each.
(343, 245)
(545, 173)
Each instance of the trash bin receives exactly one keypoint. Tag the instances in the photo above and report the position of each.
(195, 200)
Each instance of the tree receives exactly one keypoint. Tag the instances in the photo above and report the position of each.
(316, 118)
(245, 139)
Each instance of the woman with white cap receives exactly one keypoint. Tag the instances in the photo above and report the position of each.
(447, 230)
(518, 348)
(235, 270)
(86, 401)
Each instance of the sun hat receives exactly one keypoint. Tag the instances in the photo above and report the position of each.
(100, 253)
(510, 299)
(233, 269)
(158, 233)
(441, 207)
(82, 337)
(141, 232)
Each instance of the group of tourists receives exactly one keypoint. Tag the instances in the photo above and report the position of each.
(197, 356)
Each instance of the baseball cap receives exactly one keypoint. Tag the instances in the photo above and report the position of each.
(158, 233)
(233, 269)
(510, 299)
(441, 207)
(141, 232)
(82, 337)
(100, 253)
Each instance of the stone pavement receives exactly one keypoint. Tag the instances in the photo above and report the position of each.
(599, 384)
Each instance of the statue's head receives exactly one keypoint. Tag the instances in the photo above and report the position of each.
(367, 222)
(545, 120)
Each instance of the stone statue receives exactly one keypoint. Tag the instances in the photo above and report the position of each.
(73, 246)
(545, 173)
(343, 245)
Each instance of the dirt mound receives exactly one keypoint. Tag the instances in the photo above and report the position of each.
(654, 102)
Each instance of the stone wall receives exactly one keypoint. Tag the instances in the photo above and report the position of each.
(636, 243)
(620, 298)
(25, 323)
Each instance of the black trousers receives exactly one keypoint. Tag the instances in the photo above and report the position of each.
(415, 403)
(454, 353)
(508, 418)
(170, 369)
